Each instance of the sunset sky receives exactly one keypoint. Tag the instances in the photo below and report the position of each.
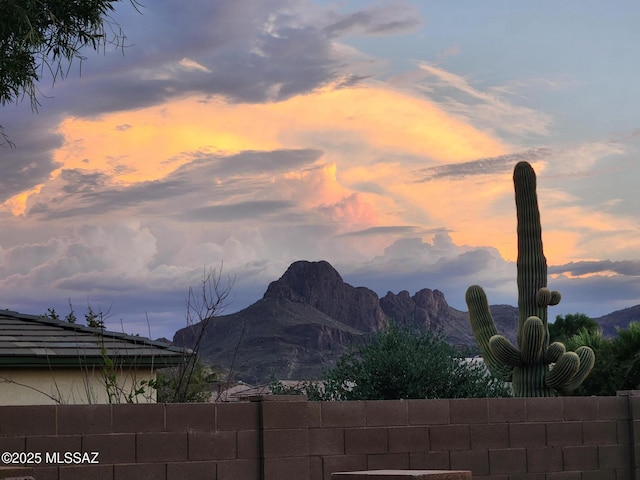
(379, 136)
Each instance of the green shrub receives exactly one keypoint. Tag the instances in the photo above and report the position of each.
(398, 363)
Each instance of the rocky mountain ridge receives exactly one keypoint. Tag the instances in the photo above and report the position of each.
(309, 317)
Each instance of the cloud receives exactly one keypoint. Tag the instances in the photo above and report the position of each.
(487, 108)
(189, 64)
(483, 166)
(380, 20)
(625, 267)
(207, 178)
(254, 209)
(390, 230)
(250, 51)
(30, 162)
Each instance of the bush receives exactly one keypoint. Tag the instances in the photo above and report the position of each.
(398, 363)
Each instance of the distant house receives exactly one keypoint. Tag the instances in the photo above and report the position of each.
(44, 361)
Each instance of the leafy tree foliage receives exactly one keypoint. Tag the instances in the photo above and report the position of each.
(399, 363)
(569, 325)
(48, 33)
(617, 360)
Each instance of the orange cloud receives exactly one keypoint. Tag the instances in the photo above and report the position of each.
(358, 129)
(143, 140)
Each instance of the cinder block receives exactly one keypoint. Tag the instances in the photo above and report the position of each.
(287, 415)
(507, 461)
(189, 417)
(468, 410)
(429, 412)
(140, 471)
(623, 431)
(527, 435)
(614, 457)
(544, 460)
(493, 435)
(48, 472)
(636, 431)
(13, 444)
(386, 412)
(475, 460)
(634, 406)
(600, 433)
(83, 472)
(315, 468)
(191, 471)
(248, 443)
(54, 443)
(238, 416)
(314, 414)
(326, 441)
(343, 414)
(580, 458)
(623, 474)
(25, 420)
(16, 472)
(408, 439)
(212, 445)
(133, 418)
(613, 408)
(564, 434)
(161, 447)
(342, 463)
(365, 440)
(285, 443)
(544, 409)
(506, 410)
(449, 437)
(112, 448)
(600, 475)
(430, 460)
(83, 419)
(580, 408)
(391, 461)
(239, 470)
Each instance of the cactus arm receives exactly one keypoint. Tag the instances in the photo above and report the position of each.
(555, 350)
(533, 339)
(587, 361)
(564, 370)
(504, 351)
(484, 327)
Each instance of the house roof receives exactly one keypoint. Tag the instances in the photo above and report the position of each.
(33, 341)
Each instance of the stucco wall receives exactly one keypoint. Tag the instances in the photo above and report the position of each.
(37, 386)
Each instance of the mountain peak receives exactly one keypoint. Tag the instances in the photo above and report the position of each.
(320, 285)
(303, 281)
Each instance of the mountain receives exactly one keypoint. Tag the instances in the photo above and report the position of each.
(310, 317)
(619, 319)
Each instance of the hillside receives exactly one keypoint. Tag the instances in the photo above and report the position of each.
(309, 317)
(619, 319)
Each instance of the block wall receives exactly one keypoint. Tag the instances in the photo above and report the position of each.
(138, 442)
(287, 437)
(581, 438)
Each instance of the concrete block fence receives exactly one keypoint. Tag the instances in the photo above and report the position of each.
(288, 437)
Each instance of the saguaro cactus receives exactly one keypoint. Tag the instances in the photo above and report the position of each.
(535, 368)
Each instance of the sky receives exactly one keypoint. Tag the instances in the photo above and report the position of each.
(379, 136)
